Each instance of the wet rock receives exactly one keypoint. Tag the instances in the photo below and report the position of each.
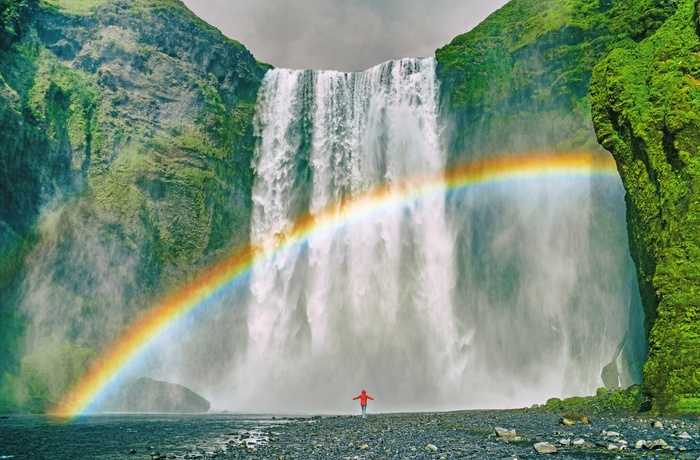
(576, 417)
(503, 432)
(684, 435)
(148, 395)
(545, 448)
(431, 448)
(616, 446)
(657, 424)
(567, 422)
(658, 444)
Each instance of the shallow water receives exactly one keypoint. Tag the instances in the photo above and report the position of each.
(121, 436)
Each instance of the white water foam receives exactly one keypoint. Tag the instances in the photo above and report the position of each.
(486, 299)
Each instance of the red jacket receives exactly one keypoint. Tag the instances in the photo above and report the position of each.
(363, 398)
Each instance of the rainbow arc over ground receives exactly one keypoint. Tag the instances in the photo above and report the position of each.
(106, 368)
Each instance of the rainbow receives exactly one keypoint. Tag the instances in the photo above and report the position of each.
(106, 369)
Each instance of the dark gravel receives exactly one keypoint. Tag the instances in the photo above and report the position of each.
(471, 434)
(466, 434)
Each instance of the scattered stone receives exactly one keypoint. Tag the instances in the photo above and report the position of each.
(566, 422)
(616, 446)
(545, 448)
(565, 442)
(431, 448)
(658, 444)
(504, 433)
(364, 447)
(578, 442)
(684, 435)
(657, 424)
(576, 417)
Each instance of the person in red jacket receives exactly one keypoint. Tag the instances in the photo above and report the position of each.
(363, 401)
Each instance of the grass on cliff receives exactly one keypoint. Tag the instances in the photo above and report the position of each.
(519, 80)
(646, 103)
(629, 400)
(135, 7)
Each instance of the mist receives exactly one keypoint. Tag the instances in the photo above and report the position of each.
(496, 296)
(342, 35)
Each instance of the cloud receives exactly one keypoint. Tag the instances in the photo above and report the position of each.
(342, 34)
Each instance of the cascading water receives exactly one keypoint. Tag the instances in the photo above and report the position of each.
(488, 299)
(372, 301)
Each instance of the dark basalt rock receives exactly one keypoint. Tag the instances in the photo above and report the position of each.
(153, 396)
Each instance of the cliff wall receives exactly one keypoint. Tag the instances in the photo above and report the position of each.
(126, 166)
(646, 101)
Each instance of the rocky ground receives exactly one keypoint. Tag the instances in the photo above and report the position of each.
(493, 434)
(506, 434)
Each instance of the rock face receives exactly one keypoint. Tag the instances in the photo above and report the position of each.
(152, 396)
(646, 101)
(519, 80)
(126, 167)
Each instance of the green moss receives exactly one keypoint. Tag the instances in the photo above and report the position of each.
(78, 7)
(526, 70)
(645, 106)
(50, 371)
(627, 400)
(152, 165)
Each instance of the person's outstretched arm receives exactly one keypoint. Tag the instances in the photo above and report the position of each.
(369, 397)
(356, 397)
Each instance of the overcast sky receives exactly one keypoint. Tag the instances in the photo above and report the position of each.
(342, 34)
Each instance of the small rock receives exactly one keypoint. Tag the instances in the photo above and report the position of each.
(431, 448)
(658, 444)
(640, 444)
(578, 442)
(545, 448)
(616, 446)
(684, 435)
(565, 442)
(132, 451)
(364, 447)
(565, 421)
(576, 417)
(657, 424)
(503, 433)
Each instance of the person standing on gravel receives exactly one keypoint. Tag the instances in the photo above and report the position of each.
(363, 401)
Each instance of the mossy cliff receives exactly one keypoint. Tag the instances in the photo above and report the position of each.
(646, 110)
(126, 167)
(519, 80)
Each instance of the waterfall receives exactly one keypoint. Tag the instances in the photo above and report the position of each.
(487, 299)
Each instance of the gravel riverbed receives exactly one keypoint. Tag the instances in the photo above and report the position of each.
(481, 434)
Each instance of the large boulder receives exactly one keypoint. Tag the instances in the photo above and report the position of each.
(148, 395)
